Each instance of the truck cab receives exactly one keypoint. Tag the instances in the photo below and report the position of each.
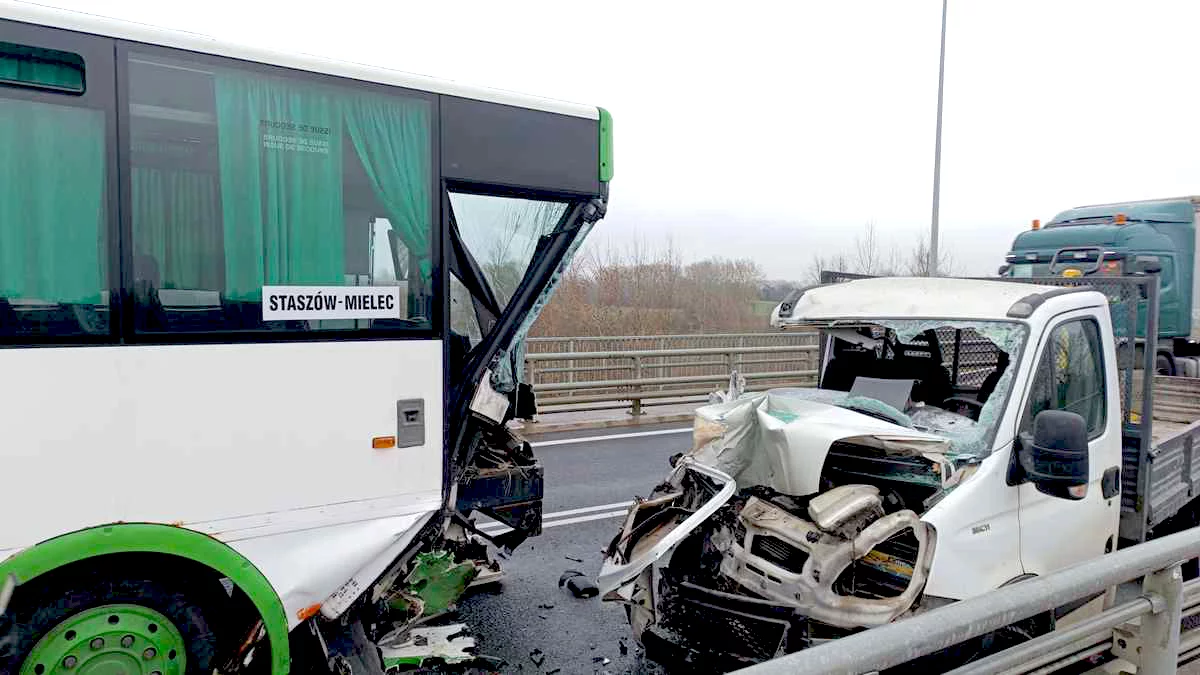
(1119, 239)
(964, 435)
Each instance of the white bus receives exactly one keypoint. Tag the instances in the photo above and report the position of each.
(261, 319)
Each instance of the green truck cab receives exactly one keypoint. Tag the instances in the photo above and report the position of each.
(1127, 238)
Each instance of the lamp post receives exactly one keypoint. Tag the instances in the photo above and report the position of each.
(937, 155)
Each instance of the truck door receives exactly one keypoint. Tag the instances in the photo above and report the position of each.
(1072, 374)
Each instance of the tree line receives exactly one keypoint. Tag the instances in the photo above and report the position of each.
(642, 290)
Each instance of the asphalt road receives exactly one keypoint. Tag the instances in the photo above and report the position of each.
(527, 620)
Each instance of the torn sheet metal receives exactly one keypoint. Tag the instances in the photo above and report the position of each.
(434, 584)
(412, 648)
(836, 573)
(627, 559)
(781, 440)
(309, 571)
(487, 402)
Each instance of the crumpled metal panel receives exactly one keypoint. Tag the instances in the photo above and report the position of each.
(811, 590)
(781, 440)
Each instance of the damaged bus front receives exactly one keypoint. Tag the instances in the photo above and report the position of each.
(802, 515)
(270, 362)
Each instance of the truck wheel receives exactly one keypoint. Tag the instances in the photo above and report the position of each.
(105, 626)
(1164, 365)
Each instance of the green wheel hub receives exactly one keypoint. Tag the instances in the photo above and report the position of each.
(110, 640)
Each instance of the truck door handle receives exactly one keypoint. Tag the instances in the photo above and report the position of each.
(1110, 485)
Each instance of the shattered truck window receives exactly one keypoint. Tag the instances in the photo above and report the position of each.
(959, 374)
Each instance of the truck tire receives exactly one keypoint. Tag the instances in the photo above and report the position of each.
(139, 625)
(1164, 365)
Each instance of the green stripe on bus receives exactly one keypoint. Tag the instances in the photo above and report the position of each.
(606, 146)
(165, 539)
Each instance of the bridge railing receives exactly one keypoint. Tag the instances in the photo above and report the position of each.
(636, 371)
(572, 374)
(1144, 631)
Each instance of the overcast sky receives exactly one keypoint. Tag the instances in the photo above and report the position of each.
(774, 131)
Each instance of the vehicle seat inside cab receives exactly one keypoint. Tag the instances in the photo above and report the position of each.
(920, 360)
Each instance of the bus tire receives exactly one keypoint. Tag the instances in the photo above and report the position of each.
(141, 624)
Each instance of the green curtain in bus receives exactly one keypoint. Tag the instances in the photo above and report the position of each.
(391, 138)
(281, 184)
(43, 67)
(175, 221)
(52, 185)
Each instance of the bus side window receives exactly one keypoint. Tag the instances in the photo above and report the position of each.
(54, 267)
(244, 179)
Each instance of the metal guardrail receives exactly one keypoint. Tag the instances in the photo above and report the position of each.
(637, 377)
(593, 343)
(635, 371)
(1155, 645)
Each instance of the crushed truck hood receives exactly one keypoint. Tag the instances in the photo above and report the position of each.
(780, 439)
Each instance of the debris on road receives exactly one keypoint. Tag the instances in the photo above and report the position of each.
(578, 583)
(538, 657)
(433, 586)
(447, 644)
(573, 559)
(546, 606)
(624, 648)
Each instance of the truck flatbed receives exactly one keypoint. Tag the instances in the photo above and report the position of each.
(1164, 430)
(1176, 406)
(1174, 479)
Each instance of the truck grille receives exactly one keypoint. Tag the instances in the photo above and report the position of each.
(779, 552)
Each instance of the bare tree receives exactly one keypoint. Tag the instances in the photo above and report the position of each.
(868, 256)
(834, 263)
(916, 264)
(511, 249)
(866, 250)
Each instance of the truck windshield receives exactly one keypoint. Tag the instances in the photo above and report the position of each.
(956, 376)
(1029, 270)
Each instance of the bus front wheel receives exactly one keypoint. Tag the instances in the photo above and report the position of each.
(106, 626)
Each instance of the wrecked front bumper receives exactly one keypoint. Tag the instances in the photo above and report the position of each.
(718, 577)
(655, 526)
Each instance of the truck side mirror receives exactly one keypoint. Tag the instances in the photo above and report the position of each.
(1055, 457)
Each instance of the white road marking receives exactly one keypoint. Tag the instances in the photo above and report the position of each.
(618, 507)
(501, 528)
(561, 517)
(584, 519)
(614, 437)
(587, 509)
